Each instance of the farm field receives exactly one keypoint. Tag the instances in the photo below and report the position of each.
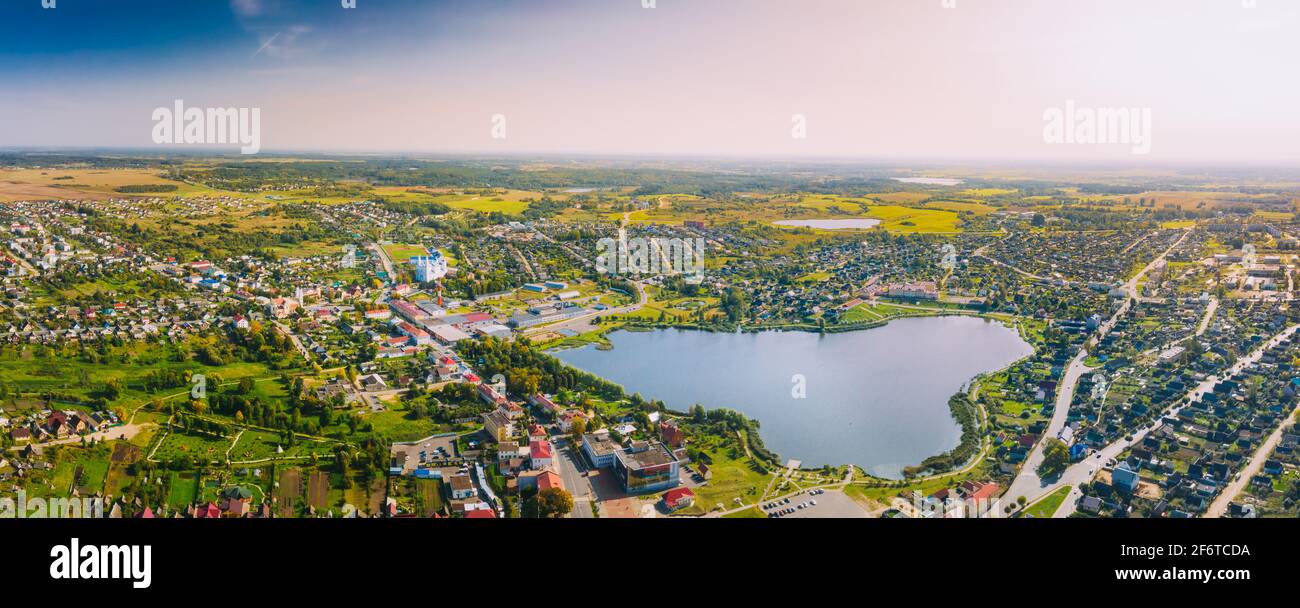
(94, 184)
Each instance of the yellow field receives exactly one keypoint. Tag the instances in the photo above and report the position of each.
(510, 202)
(93, 184)
(907, 219)
(902, 198)
(976, 208)
(978, 192)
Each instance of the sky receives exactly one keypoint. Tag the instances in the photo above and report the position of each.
(869, 79)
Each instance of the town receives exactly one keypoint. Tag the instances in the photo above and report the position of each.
(210, 342)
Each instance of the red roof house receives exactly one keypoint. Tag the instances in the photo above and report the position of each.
(679, 498)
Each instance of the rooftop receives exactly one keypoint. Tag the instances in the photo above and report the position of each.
(654, 454)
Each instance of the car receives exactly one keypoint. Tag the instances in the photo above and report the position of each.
(812, 503)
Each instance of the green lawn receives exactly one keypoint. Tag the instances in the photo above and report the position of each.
(199, 448)
(403, 253)
(733, 477)
(93, 472)
(183, 490)
(259, 445)
(1045, 508)
(393, 424)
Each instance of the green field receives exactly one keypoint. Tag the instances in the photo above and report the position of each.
(1045, 508)
(401, 254)
(183, 490)
(198, 448)
(733, 476)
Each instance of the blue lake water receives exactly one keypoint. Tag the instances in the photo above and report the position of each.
(877, 398)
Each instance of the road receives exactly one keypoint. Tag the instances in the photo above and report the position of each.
(1209, 316)
(1018, 271)
(1082, 472)
(1220, 505)
(570, 467)
(1028, 483)
(284, 329)
(385, 260)
(124, 432)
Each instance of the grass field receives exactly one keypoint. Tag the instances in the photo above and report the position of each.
(509, 202)
(183, 490)
(1044, 508)
(401, 254)
(260, 445)
(200, 448)
(960, 206)
(394, 425)
(734, 476)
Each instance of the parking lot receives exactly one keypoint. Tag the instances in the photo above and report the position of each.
(831, 504)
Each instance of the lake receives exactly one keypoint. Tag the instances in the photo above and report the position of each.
(929, 181)
(876, 398)
(857, 224)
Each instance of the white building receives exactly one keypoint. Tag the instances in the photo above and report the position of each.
(429, 268)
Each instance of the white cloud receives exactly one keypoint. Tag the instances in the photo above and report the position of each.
(246, 8)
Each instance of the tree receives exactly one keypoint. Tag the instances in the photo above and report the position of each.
(1056, 457)
(554, 503)
(578, 427)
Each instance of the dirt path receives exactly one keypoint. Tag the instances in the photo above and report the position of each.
(125, 432)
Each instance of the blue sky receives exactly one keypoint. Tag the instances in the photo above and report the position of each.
(873, 78)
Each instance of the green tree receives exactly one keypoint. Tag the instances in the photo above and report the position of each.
(1056, 457)
(554, 503)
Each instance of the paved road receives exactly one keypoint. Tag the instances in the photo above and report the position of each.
(1083, 472)
(1028, 483)
(570, 466)
(1209, 316)
(387, 261)
(1220, 505)
(284, 329)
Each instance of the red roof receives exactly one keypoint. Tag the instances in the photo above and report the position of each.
(477, 317)
(673, 497)
(549, 480)
(540, 448)
(481, 514)
(988, 490)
